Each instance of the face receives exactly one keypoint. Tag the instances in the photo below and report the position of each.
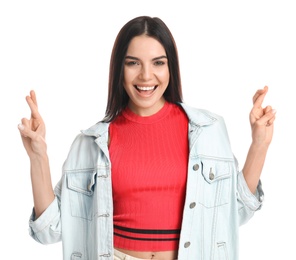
(146, 75)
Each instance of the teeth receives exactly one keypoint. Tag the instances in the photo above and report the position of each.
(145, 88)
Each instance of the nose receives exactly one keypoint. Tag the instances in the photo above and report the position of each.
(146, 72)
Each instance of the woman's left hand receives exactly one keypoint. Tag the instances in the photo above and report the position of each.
(261, 119)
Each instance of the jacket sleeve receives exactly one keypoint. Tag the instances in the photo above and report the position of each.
(47, 228)
(248, 203)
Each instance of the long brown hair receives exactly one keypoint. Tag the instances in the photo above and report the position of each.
(152, 27)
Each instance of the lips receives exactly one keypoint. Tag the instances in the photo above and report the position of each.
(145, 88)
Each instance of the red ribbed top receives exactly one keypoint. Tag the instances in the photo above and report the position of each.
(149, 157)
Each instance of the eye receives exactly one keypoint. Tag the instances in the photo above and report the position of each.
(131, 63)
(159, 63)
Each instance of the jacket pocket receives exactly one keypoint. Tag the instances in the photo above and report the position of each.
(215, 183)
(81, 190)
(76, 256)
(222, 251)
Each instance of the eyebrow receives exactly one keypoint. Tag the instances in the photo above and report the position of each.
(156, 58)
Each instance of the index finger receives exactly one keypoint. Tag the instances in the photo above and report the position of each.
(33, 97)
(32, 102)
(259, 97)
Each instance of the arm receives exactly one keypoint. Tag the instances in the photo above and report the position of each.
(33, 136)
(261, 120)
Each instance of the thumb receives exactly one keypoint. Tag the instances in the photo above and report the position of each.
(25, 131)
(22, 130)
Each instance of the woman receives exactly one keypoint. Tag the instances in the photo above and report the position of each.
(155, 179)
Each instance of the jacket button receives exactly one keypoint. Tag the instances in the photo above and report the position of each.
(211, 176)
(195, 167)
(192, 205)
(187, 244)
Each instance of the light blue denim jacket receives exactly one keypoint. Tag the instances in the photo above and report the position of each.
(217, 201)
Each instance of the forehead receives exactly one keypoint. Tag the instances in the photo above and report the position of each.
(145, 45)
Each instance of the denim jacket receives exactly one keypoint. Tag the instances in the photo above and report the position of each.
(217, 200)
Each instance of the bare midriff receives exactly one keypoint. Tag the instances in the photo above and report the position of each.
(159, 255)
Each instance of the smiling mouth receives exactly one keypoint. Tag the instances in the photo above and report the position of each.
(146, 88)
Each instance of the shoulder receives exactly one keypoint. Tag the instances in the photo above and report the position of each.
(83, 153)
(201, 116)
(213, 130)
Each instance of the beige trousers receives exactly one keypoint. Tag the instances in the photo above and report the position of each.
(122, 256)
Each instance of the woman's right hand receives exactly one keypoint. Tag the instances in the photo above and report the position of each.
(33, 130)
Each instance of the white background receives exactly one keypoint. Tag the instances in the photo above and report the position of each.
(228, 50)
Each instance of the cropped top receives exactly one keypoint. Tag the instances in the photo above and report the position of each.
(149, 178)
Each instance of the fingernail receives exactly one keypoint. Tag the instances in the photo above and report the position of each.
(273, 111)
(21, 126)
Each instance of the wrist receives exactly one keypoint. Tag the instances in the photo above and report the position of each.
(259, 146)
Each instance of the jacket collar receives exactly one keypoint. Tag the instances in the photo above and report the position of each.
(97, 130)
(197, 117)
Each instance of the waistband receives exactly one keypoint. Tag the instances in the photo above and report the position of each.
(122, 256)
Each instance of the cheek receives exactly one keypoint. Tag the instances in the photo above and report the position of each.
(129, 75)
(125, 76)
(164, 76)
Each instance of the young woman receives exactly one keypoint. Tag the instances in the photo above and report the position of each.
(155, 179)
